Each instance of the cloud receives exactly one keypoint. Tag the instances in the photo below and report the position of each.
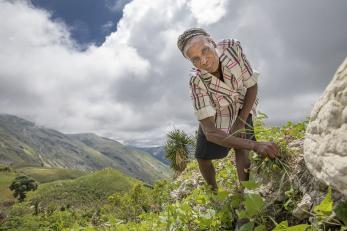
(134, 87)
(116, 5)
(107, 27)
(207, 12)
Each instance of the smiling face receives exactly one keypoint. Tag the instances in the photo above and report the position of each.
(201, 52)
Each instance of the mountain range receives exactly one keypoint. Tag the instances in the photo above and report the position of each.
(157, 152)
(23, 143)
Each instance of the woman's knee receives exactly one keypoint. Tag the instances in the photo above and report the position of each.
(204, 162)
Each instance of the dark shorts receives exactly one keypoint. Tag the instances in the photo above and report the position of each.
(208, 151)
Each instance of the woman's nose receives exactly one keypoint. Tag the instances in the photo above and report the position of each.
(203, 60)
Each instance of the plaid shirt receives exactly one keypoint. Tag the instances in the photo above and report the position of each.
(213, 97)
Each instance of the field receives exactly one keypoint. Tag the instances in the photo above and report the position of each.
(45, 175)
(82, 192)
(5, 180)
(41, 175)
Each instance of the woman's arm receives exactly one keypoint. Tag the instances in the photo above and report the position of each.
(222, 138)
(250, 97)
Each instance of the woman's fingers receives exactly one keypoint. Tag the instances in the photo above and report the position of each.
(274, 148)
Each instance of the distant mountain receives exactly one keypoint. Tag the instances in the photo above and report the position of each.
(130, 159)
(157, 152)
(23, 143)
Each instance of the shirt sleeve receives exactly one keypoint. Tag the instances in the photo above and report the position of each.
(202, 104)
(249, 75)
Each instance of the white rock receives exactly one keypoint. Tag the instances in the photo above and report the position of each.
(325, 145)
(304, 206)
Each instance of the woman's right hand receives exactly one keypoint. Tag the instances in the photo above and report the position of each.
(266, 149)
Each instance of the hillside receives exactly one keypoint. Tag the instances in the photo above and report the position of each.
(157, 152)
(281, 195)
(45, 175)
(84, 192)
(133, 162)
(6, 178)
(23, 143)
(40, 174)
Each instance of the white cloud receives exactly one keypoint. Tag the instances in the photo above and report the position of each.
(108, 26)
(116, 5)
(134, 87)
(207, 12)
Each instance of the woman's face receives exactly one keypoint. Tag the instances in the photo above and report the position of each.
(202, 53)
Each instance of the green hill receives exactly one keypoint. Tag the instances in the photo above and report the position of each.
(6, 179)
(41, 175)
(133, 162)
(83, 192)
(45, 175)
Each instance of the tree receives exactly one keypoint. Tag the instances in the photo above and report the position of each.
(21, 185)
(176, 149)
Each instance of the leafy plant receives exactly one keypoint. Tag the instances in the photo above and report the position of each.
(283, 226)
(176, 149)
(325, 208)
(21, 185)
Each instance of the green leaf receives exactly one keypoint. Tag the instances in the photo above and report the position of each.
(202, 199)
(301, 227)
(253, 204)
(326, 206)
(341, 212)
(241, 214)
(286, 205)
(247, 227)
(250, 184)
(235, 200)
(283, 226)
(222, 195)
(260, 228)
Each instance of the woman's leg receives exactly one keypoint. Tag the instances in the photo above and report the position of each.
(208, 172)
(242, 164)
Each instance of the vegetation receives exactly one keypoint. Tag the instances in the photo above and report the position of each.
(24, 144)
(45, 175)
(21, 185)
(39, 174)
(176, 149)
(6, 179)
(84, 192)
(186, 203)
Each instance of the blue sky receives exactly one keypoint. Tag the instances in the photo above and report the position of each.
(112, 67)
(90, 20)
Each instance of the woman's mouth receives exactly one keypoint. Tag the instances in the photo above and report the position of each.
(209, 66)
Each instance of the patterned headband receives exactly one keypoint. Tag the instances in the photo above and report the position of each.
(187, 35)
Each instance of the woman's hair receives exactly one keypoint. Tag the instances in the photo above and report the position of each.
(187, 35)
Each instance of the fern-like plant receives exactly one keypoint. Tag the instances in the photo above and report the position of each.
(176, 149)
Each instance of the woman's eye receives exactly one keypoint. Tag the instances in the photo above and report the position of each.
(207, 49)
(196, 60)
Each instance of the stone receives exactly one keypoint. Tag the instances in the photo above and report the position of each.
(325, 144)
(303, 207)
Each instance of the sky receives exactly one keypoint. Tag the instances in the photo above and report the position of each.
(112, 67)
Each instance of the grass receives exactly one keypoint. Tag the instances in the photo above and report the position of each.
(45, 175)
(6, 179)
(41, 175)
(83, 192)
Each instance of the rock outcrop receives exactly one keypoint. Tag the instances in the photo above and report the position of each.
(325, 145)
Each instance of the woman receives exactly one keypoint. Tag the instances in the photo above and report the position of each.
(223, 89)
